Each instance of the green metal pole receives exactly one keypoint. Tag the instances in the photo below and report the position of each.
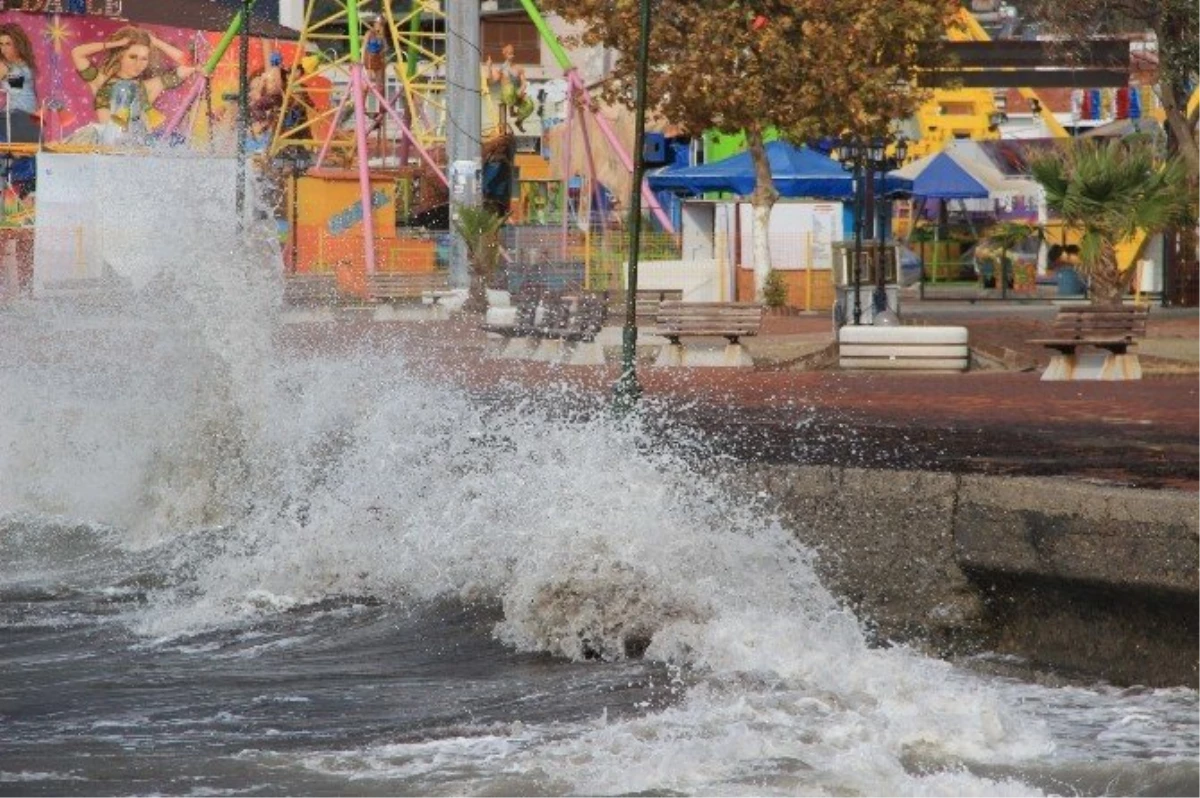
(556, 48)
(355, 35)
(410, 60)
(235, 27)
(627, 391)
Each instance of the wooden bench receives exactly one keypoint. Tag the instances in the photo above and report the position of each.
(547, 320)
(310, 289)
(578, 318)
(730, 320)
(648, 301)
(1113, 328)
(395, 286)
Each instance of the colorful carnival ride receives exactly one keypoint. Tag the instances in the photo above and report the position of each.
(366, 99)
(351, 116)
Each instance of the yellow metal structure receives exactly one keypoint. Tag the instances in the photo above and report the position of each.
(319, 80)
(952, 114)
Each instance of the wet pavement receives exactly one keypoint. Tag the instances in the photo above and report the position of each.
(796, 406)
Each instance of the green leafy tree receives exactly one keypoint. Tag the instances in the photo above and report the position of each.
(480, 228)
(806, 67)
(1108, 190)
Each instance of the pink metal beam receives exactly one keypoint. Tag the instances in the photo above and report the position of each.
(333, 124)
(197, 88)
(587, 146)
(364, 168)
(408, 135)
(610, 136)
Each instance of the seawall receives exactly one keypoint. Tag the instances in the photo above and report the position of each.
(1089, 580)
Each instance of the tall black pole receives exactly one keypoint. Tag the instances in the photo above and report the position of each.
(859, 190)
(879, 298)
(243, 126)
(627, 389)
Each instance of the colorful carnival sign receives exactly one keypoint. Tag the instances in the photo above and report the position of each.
(80, 70)
(99, 8)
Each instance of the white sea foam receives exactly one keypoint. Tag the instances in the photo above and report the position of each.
(256, 482)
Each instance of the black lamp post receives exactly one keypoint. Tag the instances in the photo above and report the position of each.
(627, 390)
(243, 125)
(865, 157)
(295, 161)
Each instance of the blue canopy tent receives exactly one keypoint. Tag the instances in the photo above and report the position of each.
(941, 177)
(796, 172)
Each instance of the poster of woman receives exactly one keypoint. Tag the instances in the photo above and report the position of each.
(126, 81)
(93, 79)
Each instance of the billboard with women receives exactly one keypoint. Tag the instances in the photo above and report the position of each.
(86, 78)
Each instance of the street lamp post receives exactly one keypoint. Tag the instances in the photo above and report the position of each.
(243, 125)
(627, 389)
(864, 158)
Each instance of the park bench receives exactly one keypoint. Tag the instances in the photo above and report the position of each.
(310, 289)
(730, 320)
(571, 318)
(1112, 328)
(546, 321)
(394, 286)
(649, 300)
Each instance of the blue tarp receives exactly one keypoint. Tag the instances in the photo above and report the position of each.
(943, 178)
(796, 172)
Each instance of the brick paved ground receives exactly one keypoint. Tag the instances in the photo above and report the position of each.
(1142, 433)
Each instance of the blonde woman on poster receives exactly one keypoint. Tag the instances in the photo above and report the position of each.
(126, 83)
(18, 68)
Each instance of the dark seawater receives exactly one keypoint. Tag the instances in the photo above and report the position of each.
(90, 708)
(225, 570)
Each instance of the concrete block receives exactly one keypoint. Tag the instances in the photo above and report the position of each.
(1093, 366)
(903, 348)
(729, 356)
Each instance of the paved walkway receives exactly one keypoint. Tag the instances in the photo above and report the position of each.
(797, 406)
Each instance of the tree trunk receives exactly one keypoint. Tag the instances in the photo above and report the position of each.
(1108, 283)
(1181, 139)
(477, 301)
(762, 200)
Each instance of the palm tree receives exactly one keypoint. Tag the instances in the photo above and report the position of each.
(480, 228)
(1110, 190)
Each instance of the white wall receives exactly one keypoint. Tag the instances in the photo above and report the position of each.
(291, 13)
(700, 280)
(801, 234)
(128, 217)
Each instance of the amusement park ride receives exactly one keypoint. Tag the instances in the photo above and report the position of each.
(364, 113)
(349, 125)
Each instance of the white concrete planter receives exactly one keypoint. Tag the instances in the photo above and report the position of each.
(903, 348)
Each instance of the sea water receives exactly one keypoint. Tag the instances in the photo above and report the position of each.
(233, 567)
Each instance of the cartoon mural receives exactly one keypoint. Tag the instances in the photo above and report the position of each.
(126, 83)
(93, 75)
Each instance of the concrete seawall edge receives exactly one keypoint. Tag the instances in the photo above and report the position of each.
(1095, 580)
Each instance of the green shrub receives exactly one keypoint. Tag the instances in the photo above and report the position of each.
(775, 290)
